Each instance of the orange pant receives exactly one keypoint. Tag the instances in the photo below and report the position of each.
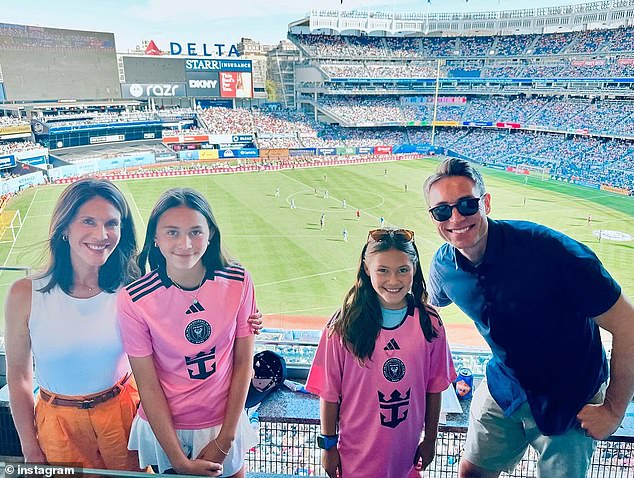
(91, 438)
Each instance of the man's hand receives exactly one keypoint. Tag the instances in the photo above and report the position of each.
(599, 421)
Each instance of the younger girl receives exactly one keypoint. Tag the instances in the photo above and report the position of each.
(380, 367)
(185, 329)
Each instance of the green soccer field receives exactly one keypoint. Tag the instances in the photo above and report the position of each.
(300, 270)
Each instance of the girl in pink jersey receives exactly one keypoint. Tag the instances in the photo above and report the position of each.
(380, 367)
(186, 332)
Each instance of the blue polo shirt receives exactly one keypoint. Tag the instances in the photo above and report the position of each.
(533, 298)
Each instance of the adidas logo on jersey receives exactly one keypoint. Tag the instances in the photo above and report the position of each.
(392, 345)
(196, 307)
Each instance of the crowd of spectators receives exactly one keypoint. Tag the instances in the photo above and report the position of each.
(101, 118)
(603, 117)
(12, 121)
(414, 69)
(241, 120)
(11, 147)
(350, 46)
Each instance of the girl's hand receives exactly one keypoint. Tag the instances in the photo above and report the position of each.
(214, 451)
(331, 462)
(200, 468)
(255, 321)
(425, 454)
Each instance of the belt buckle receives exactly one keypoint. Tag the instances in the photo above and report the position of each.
(87, 404)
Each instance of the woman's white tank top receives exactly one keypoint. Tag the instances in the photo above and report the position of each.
(76, 343)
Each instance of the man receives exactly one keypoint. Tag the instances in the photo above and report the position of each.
(538, 298)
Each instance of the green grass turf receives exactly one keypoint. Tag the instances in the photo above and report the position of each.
(299, 269)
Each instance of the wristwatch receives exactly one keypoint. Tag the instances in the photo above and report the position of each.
(326, 442)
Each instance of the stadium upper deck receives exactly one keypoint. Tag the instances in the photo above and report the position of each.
(582, 16)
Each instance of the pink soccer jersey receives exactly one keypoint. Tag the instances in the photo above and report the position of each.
(191, 340)
(382, 409)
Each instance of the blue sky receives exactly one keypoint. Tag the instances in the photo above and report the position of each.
(214, 21)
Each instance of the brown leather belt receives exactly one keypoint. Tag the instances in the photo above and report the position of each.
(90, 401)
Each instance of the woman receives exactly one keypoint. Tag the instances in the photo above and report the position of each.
(65, 318)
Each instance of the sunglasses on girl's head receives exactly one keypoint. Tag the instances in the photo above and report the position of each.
(378, 235)
(465, 206)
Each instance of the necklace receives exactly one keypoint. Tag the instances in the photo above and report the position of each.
(86, 287)
(196, 291)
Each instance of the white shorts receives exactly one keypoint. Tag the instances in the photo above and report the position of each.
(192, 442)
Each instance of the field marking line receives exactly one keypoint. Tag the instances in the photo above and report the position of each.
(136, 207)
(26, 214)
(305, 277)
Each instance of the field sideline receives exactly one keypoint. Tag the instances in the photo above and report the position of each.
(300, 270)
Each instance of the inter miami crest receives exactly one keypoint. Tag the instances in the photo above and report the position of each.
(394, 369)
(198, 331)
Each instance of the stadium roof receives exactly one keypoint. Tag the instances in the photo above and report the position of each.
(581, 16)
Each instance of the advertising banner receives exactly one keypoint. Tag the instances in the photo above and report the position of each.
(365, 150)
(218, 65)
(274, 153)
(346, 150)
(13, 185)
(235, 84)
(383, 150)
(189, 155)
(18, 129)
(242, 138)
(477, 123)
(62, 172)
(614, 189)
(153, 90)
(238, 153)
(186, 138)
(7, 161)
(508, 125)
(208, 154)
(111, 138)
(412, 148)
(446, 123)
(35, 160)
(513, 169)
(326, 151)
(202, 83)
(302, 152)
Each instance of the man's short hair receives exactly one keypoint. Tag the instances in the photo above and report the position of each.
(455, 167)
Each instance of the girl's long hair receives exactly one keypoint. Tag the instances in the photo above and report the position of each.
(120, 268)
(214, 257)
(359, 320)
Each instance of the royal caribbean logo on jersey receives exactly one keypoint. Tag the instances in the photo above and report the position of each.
(395, 406)
(203, 363)
(198, 331)
(394, 369)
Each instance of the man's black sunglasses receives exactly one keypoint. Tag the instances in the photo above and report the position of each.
(465, 206)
